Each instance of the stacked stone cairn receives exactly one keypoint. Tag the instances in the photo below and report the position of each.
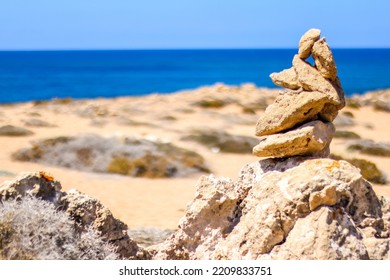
(299, 122)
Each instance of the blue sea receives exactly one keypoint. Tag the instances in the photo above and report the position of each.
(42, 75)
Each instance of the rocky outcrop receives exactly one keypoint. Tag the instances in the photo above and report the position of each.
(371, 147)
(85, 212)
(313, 93)
(14, 131)
(222, 141)
(137, 157)
(296, 208)
(379, 100)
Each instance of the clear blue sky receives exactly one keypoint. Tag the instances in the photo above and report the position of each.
(173, 24)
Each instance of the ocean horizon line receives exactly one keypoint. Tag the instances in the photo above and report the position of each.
(183, 49)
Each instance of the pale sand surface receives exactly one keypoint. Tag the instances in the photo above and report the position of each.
(160, 202)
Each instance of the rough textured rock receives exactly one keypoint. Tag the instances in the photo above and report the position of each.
(312, 138)
(89, 212)
(311, 80)
(38, 184)
(292, 208)
(287, 78)
(84, 211)
(307, 41)
(149, 236)
(338, 239)
(293, 108)
(323, 59)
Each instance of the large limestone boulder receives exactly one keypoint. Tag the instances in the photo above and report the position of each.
(295, 208)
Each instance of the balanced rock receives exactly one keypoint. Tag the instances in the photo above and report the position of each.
(312, 138)
(293, 108)
(313, 93)
(307, 41)
(287, 78)
(323, 59)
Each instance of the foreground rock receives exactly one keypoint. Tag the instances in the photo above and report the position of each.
(85, 212)
(296, 208)
(313, 93)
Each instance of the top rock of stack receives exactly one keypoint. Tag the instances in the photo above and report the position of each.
(307, 41)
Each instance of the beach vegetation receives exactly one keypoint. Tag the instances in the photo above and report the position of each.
(148, 166)
(14, 131)
(62, 101)
(223, 141)
(169, 118)
(352, 103)
(248, 110)
(212, 103)
(368, 169)
(380, 105)
(348, 114)
(32, 229)
(345, 134)
(370, 147)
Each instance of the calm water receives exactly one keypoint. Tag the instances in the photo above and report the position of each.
(81, 74)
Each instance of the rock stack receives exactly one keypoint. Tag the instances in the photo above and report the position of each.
(299, 122)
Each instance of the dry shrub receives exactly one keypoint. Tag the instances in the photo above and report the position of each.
(148, 166)
(368, 169)
(32, 229)
(211, 103)
(346, 134)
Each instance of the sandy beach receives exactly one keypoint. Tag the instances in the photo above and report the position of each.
(146, 202)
